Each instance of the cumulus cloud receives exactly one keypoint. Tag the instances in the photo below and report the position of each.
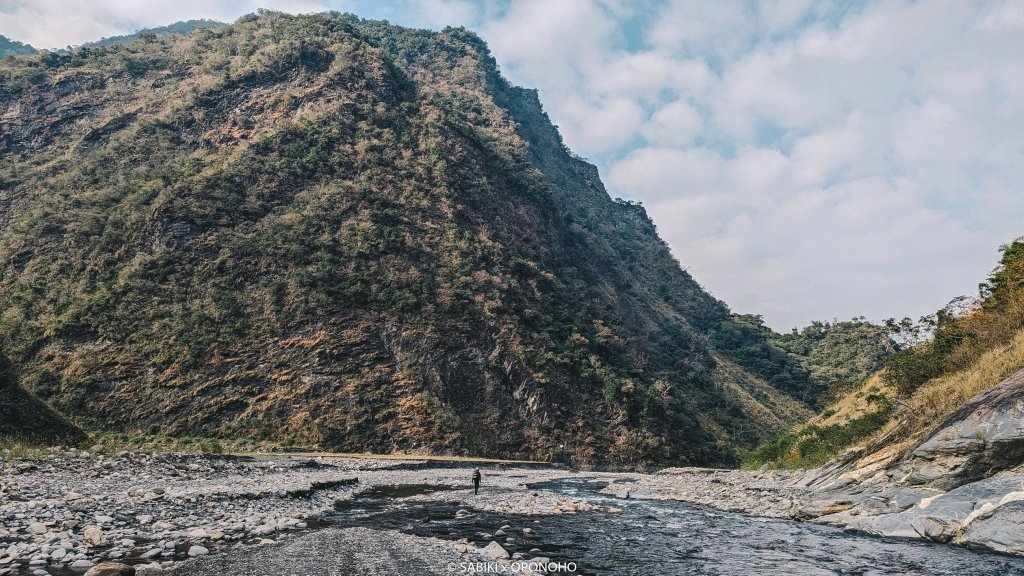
(805, 159)
(60, 23)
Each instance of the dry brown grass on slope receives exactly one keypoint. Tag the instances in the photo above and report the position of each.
(763, 404)
(871, 396)
(938, 398)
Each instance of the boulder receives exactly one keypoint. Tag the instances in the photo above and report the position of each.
(982, 438)
(93, 536)
(494, 551)
(111, 569)
(1000, 529)
(81, 565)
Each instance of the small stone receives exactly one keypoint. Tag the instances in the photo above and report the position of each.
(37, 528)
(152, 553)
(197, 533)
(111, 569)
(198, 551)
(104, 519)
(93, 536)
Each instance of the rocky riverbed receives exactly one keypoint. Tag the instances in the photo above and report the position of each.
(68, 512)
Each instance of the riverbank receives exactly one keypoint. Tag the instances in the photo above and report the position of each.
(69, 511)
(197, 514)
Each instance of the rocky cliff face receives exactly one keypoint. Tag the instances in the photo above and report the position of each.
(331, 231)
(963, 484)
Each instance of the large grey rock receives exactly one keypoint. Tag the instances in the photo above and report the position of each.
(111, 569)
(93, 536)
(1001, 530)
(982, 438)
(81, 565)
(494, 551)
(941, 517)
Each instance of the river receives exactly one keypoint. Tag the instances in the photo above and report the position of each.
(651, 537)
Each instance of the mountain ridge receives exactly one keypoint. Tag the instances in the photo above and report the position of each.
(342, 232)
(12, 47)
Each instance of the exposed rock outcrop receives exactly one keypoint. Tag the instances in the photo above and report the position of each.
(963, 484)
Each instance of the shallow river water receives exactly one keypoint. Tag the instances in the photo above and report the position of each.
(668, 538)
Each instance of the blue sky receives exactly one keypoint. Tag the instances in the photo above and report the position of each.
(805, 159)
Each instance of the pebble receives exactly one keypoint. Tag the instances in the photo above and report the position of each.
(198, 551)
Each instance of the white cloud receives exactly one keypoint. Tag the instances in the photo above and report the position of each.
(674, 124)
(60, 23)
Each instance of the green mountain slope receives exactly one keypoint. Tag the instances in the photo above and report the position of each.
(184, 28)
(14, 48)
(947, 361)
(327, 230)
(25, 417)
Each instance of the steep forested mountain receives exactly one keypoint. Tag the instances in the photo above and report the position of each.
(326, 230)
(186, 27)
(14, 48)
(839, 356)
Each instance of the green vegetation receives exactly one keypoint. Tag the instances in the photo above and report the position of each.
(814, 444)
(25, 420)
(327, 231)
(828, 358)
(941, 361)
(838, 356)
(10, 47)
(961, 332)
(149, 34)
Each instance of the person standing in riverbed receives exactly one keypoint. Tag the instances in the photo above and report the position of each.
(476, 481)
